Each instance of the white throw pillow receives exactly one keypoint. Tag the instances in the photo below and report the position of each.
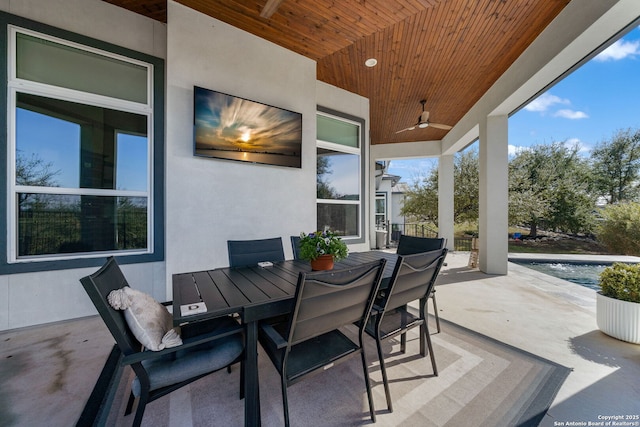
(149, 321)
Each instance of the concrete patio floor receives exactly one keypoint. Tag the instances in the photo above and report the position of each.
(554, 319)
(548, 317)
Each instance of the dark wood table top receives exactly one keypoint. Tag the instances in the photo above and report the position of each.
(254, 292)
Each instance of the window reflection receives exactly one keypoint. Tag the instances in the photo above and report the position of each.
(338, 175)
(53, 223)
(79, 146)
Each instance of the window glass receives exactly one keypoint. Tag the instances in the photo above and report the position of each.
(71, 145)
(44, 61)
(338, 131)
(381, 210)
(338, 175)
(342, 219)
(54, 223)
(131, 162)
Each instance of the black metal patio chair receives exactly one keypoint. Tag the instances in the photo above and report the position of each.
(310, 340)
(243, 253)
(161, 372)
(409, 245)
(295, 246)
(413, 279)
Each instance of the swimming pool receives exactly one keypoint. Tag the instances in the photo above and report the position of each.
(586, 275)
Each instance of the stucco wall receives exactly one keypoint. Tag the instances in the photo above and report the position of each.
(211, 201)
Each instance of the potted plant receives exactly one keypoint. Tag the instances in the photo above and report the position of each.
(618, 302)
(322, 248)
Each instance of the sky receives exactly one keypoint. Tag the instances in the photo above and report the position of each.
(587, 107)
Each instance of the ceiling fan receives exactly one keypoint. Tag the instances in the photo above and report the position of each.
(423, 121)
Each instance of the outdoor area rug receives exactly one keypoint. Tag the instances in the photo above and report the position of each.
(481, 382)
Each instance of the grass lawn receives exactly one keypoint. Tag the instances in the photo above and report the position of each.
(559, 245)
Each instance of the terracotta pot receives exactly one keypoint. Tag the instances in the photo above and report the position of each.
(323, 262)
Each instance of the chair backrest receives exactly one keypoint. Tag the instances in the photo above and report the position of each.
(413, 278)
(295, 245)
(409, 245)
(327, 300)
(98, 285)
(251, 252)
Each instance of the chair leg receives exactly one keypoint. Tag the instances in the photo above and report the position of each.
(285, 403)
(383, 371)
(241, 380)
(367, 382)
(130, 402)
(142, 402)
(427, 336)
(435, 310)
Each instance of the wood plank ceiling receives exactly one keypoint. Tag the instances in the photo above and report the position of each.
(448, 52)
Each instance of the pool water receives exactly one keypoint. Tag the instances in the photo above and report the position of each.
(583, 274)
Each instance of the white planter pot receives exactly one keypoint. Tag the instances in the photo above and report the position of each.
(619, 319)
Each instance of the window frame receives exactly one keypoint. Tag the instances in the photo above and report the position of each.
(154, 110)
(359, 151)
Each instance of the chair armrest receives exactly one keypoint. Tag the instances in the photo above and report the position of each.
(273, 336)
(188, 343)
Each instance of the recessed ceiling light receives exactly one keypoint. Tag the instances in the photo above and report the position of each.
(371, 62)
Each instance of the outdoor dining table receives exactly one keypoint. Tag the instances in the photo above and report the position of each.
(254, 293)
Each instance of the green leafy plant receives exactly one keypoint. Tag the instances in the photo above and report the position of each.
(619, 229)
(621, 281)
(318, 243)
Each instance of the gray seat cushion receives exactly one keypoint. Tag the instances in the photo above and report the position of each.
(184, 364)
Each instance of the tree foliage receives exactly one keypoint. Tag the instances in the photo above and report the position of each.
(466, 188)
(616, 166)
(421, 202)
(550, 186)
(619, 229)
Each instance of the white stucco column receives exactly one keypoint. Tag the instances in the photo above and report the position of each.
(445, 199)
(494, 196)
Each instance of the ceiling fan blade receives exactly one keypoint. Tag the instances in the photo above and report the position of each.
(411, 128)
(424, 117)
(439, 126)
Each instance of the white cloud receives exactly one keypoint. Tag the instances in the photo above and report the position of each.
(514, 149)
(572, 142)
(619, 50)
(571, 114)
(544, 102)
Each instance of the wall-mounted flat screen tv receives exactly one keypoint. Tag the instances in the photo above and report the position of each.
(233, 128)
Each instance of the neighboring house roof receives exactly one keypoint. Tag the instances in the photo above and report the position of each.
(393, 178)
(400, 187)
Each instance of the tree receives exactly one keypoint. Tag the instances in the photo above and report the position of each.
(33, 171)
(466, 187)
(551, 185)
(421, 201)
(323, 189)
(422, 198)
(616, 166)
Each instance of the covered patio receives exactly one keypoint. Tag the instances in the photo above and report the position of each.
(54, 346)
(547, 317)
